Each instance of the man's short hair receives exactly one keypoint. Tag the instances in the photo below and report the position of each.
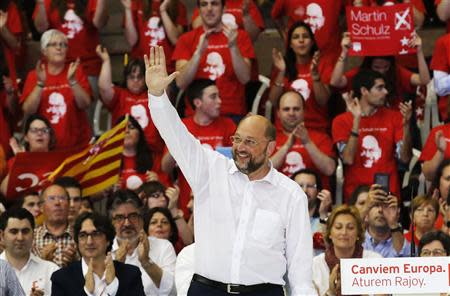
(271, 131)
(68, 182)
(151, 187)
(433, 236)
(223, 3)
(195, 90)
(125, 196)
(101, 223)
(365, 78)
(45, 190)
(21, 200)
(18, 213)
(311, 172)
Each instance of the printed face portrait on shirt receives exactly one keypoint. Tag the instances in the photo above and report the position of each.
(215, 66)
(155, 31)
(314, 16)
(92, 243)
(58, 107)
(370, 151)
(18, 237)
(73, 24)
(210, 12)
(56, 204)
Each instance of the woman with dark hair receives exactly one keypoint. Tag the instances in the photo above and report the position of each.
(358, 199)
(425, 211)
(154, 23)
(130, 98)
(80, 21)
(139, 163)
(399, 80)
(344, 237)
(302, 70)
(38, 137)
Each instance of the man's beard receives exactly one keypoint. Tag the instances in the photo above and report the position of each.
(252, 164)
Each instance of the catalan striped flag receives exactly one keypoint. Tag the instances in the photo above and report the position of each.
(97, 167)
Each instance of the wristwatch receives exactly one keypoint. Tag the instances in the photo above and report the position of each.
(399, 228)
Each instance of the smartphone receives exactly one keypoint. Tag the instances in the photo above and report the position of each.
(382, 179)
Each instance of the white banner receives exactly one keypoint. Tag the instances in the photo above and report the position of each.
(395, 275)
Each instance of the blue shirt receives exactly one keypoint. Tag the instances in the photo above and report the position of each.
(385, 248)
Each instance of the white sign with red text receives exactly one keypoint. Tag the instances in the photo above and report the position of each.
(395, 275)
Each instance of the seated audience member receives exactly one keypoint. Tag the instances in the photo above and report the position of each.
(32, 203)
(155, 195)
(155, 257)
(321, 16)
(139, 163)
(425, 210)
(8, 108)
(130, 98)
(344, 237)
(319, 204)
(440, 190)
(384, 233)
(39, 136)
(16, 228)
(370, 137)
(440, 64)
(80, 21)
(9, 283)
(11, 30)
(443, 11)
(435, 151)
(206, 125)
(299, 147)
(158, 222)
(96, 273)
(418, 6)
(151, 23)
(54, 240)
(399, 80)
(73, 188)
(218, 52)
(60, 92)
(358, 199)
(302, 70)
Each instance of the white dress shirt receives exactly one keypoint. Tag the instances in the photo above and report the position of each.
(246, 232)
(321, 272)
(441, 83)
(100, 286)
(162, 254)
(184, 270)
(36, 271)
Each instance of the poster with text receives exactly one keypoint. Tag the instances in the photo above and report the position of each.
(381, 31)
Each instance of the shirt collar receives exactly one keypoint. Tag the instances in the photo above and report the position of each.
(68, 230)
(32, 258)
(370, 239)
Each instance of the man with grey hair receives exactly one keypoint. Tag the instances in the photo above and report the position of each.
(248, 216)
(155, 257)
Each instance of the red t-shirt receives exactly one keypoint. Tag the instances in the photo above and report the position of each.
(298, 157)
(429, 149)
(216, 134)
(402, 84)
(58, 105)
(124, 102)
(316, 116)
(14, 25)
(131, 179)
(321, 15)
(5, 130)
(215, 64)
(418, 4)
(377, 141)
(80, 31)
(152, 32)
(441, 62)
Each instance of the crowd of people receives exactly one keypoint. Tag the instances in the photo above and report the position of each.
(262, 190)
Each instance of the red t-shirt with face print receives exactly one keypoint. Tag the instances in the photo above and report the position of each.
(58, 105)
(80, 31)
(125, 102)
(152, 32)
(379, 134)
(216, 64)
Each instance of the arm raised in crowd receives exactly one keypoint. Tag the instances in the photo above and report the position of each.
(41, 20)
(105, 84)
(241, 65)
(351, 147)
(11, 41)
(172, 29)
(32, 101)
(338, 78)
(130, 29)
(443, 10)
(101, 14)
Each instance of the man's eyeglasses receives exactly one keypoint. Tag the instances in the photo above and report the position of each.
(57, 198)
(35, 130)
(435, 252)
(133, 218)
(57, 44)
(95, 235)
(247, 141)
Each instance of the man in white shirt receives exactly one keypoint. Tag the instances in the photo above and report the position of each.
(155, 257)
(16, 231)
(251, 222)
